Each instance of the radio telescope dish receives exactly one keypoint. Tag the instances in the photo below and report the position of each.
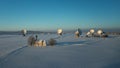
(92, 31)
(99, 32)
(59, 31)
(88, 33)
(24, 32)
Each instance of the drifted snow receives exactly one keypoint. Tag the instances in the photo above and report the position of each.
(70, 52)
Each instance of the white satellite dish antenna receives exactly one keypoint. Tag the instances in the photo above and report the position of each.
(99, 32)
(92, 31)
(77, 32)
(24, 32)
(59, 31)
(88, 33)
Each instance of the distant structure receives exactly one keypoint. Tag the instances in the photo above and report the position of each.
(99, 33)
(24, 32)
(36, 36)
(90, 33)
(60, 31)
(78, 33)
(40, 43)
(79, 30)
(33, 41)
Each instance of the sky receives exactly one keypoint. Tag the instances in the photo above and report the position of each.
(46, 15)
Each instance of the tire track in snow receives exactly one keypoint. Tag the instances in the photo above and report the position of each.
(3, 58)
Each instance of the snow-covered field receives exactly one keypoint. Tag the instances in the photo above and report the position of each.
(69, 52)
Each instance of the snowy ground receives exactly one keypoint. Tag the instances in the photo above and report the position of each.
(69, 52)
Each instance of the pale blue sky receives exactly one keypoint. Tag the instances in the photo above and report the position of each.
(53, 14)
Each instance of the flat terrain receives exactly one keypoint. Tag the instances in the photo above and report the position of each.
(69, 52)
